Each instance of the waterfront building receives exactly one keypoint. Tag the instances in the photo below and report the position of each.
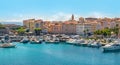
(81, 20)
(56, 28)
(112, 24)
(94, 26)
(91, 19)
(69, 27)
(31, 24)
(38, 24)
(98, 26)
(47, 27)
(82, 27)
(118, 23)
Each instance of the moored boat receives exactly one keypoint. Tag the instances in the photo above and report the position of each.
(7, 45)
(52, 39)
(95, 44)
(35, 41)
(111, 47)
(85, 43)
(71, 41)
(25, 40)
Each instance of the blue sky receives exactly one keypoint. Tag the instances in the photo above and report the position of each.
(17, 10)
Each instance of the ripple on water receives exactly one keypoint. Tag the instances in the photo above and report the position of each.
(56, 54)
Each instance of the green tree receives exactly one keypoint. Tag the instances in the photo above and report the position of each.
(116, 30)
(21, 31)
(2, 26)
(98, 32)
(104, 32)
(27, 30)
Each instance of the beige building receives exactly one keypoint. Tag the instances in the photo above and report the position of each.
(69, 27)
(55, 28)
(81, 27)
(31, 24)
(72, 26)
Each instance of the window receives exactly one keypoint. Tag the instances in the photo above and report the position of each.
(37, 25)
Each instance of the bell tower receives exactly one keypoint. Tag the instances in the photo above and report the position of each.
(72, 17)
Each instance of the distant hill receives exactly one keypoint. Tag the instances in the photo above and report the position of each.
(17, 23)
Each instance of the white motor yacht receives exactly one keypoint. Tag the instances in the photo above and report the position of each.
(72, 41)
(56, 40)
(79, 42)
(85, 43)
(111, 47)
(34, 41)
(24, 40)
(95, 44)
(52, 40)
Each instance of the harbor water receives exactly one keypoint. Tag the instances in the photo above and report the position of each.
(56, 54)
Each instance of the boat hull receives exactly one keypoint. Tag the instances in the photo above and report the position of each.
(47, 42)
(6, 45)
(25, 41)
(34, 42)
(110, 49)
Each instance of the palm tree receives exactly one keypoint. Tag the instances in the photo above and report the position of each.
(84, 33)
(116, 30)
(87, 31)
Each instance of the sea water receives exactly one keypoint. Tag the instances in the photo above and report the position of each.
(56, 54)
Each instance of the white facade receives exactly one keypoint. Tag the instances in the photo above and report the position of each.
(112, 24)
(80, 28)
(105, 24)
(98, 26)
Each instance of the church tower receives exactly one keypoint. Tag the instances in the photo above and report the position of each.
(72, 17)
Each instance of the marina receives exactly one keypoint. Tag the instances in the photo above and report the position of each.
(49, 50)
(104, 44)
(60, 54)
(59, 32)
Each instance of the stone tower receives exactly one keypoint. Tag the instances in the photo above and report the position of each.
(72, 17)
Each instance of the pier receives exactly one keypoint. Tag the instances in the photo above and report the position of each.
(14, 38)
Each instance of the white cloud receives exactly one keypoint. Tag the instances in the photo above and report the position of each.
(98, 15)
(58, 17)
(55, 17)
(11, 20)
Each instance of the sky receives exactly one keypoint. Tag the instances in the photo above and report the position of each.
(18, 10)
